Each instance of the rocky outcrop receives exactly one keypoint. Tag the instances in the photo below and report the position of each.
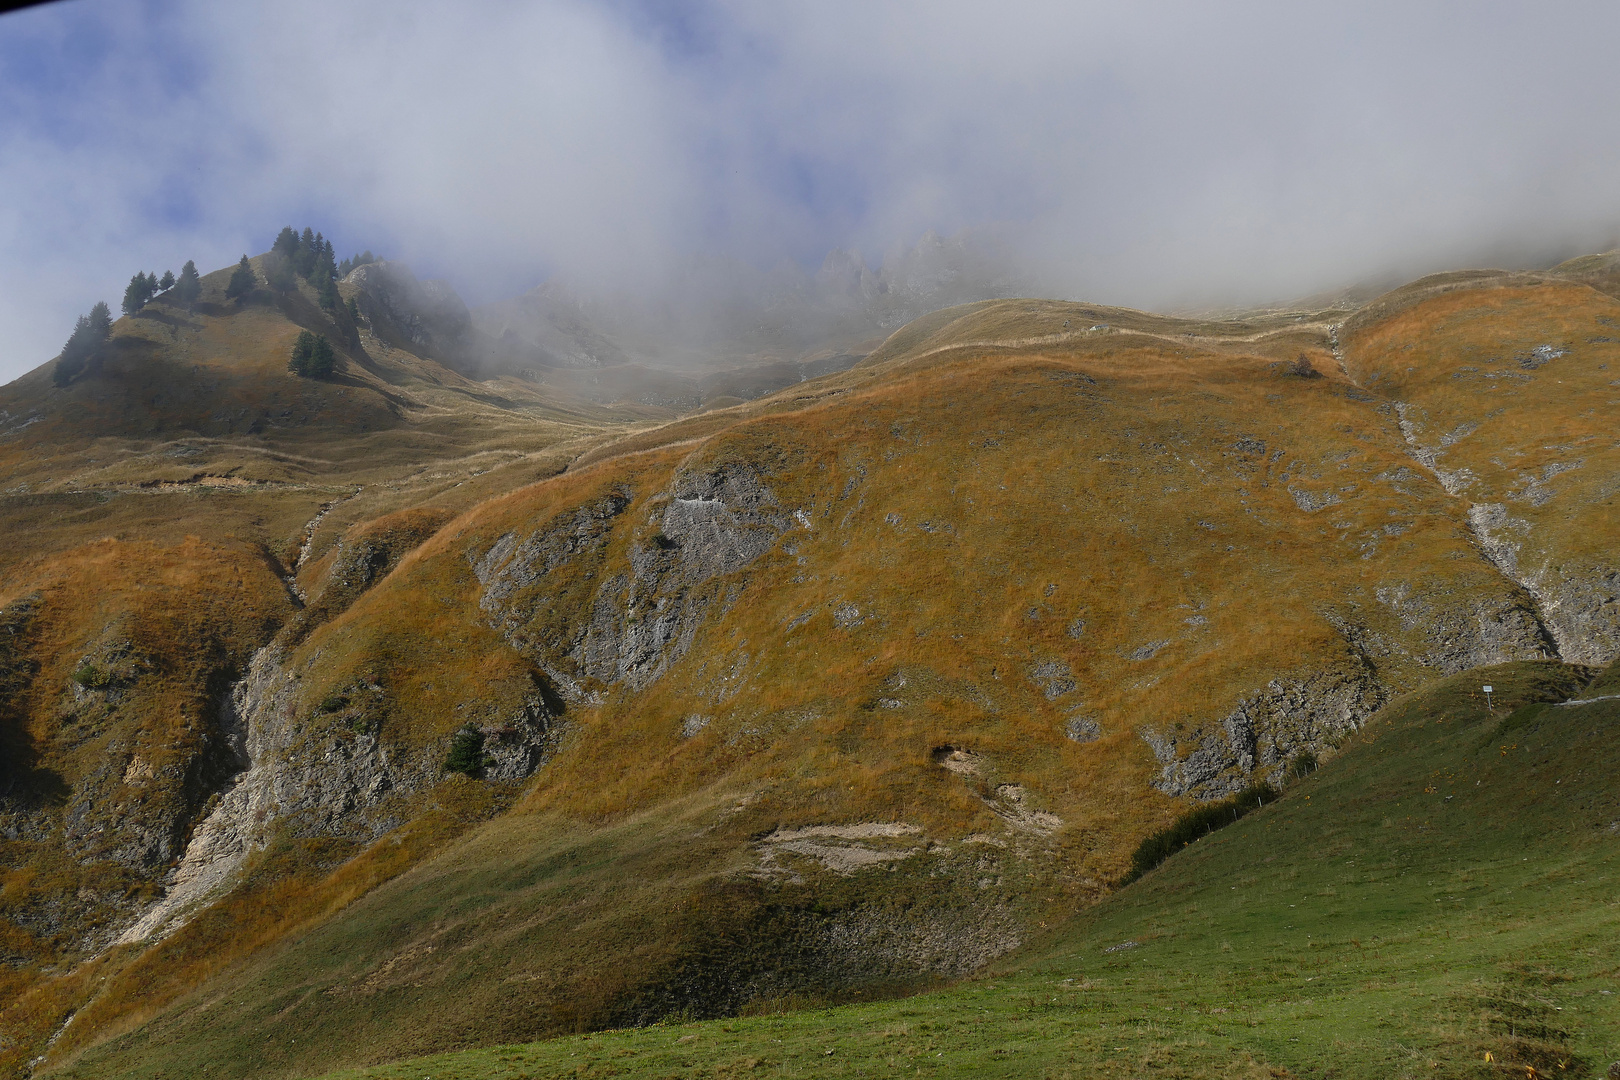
(713, 523)
(1579, 606)
(529, 602)
(1264, 732)
(331, 774)
(423, 313)
(1458, 632)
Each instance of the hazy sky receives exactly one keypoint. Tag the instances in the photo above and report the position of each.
(1140, 153)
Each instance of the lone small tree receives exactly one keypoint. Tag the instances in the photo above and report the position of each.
(242, 280)
(1304, 368)
(312, 356)
(188, 286)
(89, 332)
(466, 752)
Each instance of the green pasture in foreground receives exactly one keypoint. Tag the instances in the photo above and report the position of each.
(1444, 888)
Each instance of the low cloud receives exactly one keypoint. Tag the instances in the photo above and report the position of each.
(1153, 155)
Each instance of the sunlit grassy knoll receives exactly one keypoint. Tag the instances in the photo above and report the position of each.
(1445, 888)
(181, 394)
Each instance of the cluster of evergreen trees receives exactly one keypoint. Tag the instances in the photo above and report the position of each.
(354, 262)
(88, 335)
(143, 287)
(312, 356)
(309, 256)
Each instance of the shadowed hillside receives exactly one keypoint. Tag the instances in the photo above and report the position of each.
(841, 692)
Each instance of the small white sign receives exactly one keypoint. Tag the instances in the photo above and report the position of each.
(1487, 689)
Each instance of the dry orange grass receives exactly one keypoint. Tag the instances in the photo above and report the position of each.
(170, 626)
(1155, 511)
(1120, 502)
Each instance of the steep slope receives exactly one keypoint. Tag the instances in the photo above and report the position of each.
(851, 688)
(1441, 891)
(158, 513)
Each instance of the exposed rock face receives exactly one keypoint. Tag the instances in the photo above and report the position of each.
(643, 617)
(331, 775)
(715, 524)
(521, 596)
(1258, 738)
(132, 807)
(422, 312)
(1579, 606)
(1491, 629)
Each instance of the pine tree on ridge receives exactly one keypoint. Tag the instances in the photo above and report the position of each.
(242, 280)
(89, 333)
(188, 286)
(138, 292)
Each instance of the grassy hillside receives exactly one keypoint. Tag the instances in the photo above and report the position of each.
(849, 690)
(1442, 890)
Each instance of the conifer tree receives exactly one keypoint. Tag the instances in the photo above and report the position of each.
(281, 274)
(286, 244)
(188, 286)
(344, 267)
(72, 358)
(242, 280)
(136, 294)
(304, 260)
(298, 364)
(89, 332)
(326, 292)
(325, 278)
(312, 356)
(321, 359)
(100, 322)
(168, 281)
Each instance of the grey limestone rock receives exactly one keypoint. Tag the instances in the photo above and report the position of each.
(1082, 729)
(715, 521)
(307, 778)
(1258, 737)
(1054, 678)
(1578, 606)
